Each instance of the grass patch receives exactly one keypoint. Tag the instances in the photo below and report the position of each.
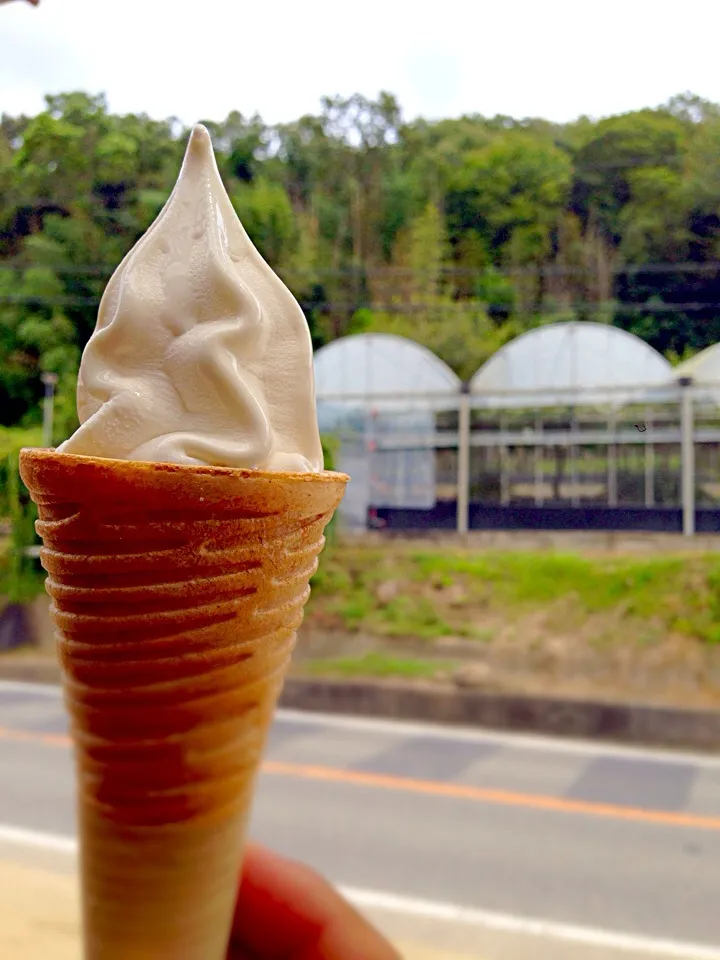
(378, 665)
(354, 609)
(539, 579)
(436, 593)
(407, 616)
(348, 587)
(19, 588)
(682, 592)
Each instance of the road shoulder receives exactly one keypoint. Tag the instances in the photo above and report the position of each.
(40, 920)
(39, 904)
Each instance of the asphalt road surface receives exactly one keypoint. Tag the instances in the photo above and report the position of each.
(470, 843)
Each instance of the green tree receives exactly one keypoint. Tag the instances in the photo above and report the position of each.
(613, 152)
(458, 232)
(267, 214)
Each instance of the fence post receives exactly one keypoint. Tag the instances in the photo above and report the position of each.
(649, 450)
(687, 455)
(612, 455)
(463, 478)
(50, 380)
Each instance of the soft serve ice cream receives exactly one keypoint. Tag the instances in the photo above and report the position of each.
(201, 355)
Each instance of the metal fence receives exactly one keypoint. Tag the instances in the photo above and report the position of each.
(616, 458)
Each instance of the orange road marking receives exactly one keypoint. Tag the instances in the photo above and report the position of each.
(30, 736)
(460, 791)
(455, 791)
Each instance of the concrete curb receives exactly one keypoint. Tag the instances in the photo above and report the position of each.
(639, 724)
(27, 670)
(621, 723)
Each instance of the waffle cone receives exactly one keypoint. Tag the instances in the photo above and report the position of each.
(177, 592)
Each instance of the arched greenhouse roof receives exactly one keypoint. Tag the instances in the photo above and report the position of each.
(572, 362)
(380, 366)
(703, 367)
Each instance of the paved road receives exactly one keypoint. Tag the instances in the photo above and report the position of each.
(515, 829)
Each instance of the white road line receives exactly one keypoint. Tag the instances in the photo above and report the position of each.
(446, 912)
(53, 842)
(527, 926)
(38, 689)
(401, 728)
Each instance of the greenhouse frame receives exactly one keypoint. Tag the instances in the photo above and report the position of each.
(572, 425)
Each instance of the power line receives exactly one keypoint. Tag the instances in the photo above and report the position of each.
(51, 301)
(549, 270)
(615, 306)
(64, 269)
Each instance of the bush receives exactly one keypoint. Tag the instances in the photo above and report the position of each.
(12, 439)
(20, 575)
(330, 449)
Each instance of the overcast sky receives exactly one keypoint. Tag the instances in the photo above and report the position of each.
(202, 58)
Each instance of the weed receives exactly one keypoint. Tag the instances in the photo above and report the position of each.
(669, 593)
(379, 665)
(411, 617)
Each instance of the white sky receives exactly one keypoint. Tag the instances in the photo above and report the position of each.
(202, 58)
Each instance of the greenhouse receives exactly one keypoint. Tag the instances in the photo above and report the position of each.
(570, 426)
(380, 397)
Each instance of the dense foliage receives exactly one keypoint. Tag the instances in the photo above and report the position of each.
(460, 233)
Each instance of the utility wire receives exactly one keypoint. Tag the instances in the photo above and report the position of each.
(614, 306)
(632, 269)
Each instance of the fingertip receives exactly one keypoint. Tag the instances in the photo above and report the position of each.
(286, 908)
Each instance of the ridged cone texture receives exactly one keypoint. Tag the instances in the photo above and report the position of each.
(176, 593)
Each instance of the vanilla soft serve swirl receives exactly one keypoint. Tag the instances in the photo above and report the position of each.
(201, 355)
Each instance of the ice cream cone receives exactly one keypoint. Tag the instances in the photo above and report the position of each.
(177, 592)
